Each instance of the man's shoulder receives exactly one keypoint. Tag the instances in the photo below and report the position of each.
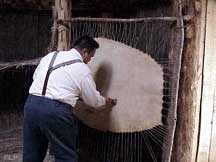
(48, 56)
(85, 68)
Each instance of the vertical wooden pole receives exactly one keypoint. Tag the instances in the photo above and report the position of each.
(63, 9)
(189, 100)
(54, 36)
(200, 23)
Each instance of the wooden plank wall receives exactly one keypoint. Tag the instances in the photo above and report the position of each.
(207, 140)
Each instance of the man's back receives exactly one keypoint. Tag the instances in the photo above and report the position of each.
(64, 82)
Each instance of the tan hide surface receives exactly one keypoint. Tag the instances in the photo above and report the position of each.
(132, 77)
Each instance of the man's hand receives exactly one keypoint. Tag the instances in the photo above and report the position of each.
(111, 102)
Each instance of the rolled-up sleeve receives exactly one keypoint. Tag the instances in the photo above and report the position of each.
(89, 93)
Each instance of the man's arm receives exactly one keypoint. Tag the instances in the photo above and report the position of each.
(91, 96)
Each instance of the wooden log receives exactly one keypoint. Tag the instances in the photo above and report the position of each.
(63, 8)
(200, 7)
(54, 37)
(146, 19)
(185, 142)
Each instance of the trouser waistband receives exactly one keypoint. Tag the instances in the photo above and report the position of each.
(47, 100)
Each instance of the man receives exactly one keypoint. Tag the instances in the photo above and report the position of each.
(60, 80)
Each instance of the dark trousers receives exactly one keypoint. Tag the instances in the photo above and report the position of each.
(45, 121)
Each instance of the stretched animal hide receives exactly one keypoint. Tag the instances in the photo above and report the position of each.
(135, 79)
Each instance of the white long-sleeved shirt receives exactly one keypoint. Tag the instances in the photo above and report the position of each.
(67, 83)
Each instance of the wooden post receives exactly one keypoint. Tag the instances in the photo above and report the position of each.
(63, 9)
(189, 98)
(199, 49)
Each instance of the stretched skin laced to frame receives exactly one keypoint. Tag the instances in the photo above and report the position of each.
(142, 129)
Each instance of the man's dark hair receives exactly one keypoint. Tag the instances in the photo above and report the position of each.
(86, 42)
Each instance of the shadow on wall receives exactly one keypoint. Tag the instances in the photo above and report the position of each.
(103, 77)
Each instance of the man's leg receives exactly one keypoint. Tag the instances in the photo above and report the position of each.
(62, 132)
(34, 142)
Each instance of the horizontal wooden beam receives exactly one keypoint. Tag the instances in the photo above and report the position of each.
(185, 18)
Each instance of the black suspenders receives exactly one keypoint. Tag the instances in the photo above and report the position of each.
(52, 68)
